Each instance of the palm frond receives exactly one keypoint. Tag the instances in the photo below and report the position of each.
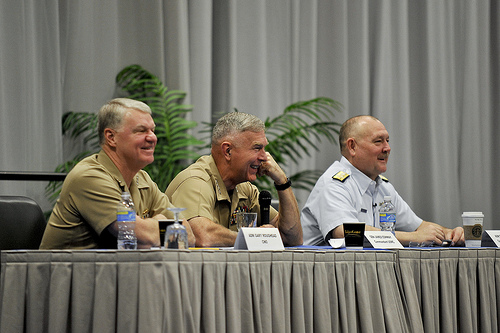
(295, 131)
(76, 124)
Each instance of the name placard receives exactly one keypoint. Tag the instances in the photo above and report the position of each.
(490, 238)
(258, 239)
(381, 240)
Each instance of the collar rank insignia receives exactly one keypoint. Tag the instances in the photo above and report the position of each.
(384, 178)
(341, 175)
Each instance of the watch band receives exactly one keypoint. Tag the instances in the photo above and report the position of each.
(283, 186)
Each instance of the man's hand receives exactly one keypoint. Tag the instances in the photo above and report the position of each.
(456, 235)
(429, 232)
(272, 169)
(288, 219)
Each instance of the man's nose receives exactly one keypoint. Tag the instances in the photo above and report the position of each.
(151, 136)
(263, 155)
(387, 148)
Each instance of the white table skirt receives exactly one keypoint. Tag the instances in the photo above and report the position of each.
(452, 290)
(201, 291)
(410, 290)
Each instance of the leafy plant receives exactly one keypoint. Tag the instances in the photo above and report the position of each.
(175, 147)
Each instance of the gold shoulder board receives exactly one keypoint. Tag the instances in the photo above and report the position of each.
(384, 178)
(341, 175)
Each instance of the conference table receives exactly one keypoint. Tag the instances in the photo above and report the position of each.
(304, 289)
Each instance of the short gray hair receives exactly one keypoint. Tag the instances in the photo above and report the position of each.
(234, 123)
(111, 114)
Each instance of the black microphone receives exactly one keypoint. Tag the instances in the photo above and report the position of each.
(264, 202)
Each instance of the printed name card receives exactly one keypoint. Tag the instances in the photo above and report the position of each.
(381, 240)
(491, 238)
(258, 239)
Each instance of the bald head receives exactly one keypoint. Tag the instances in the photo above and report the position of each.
(354, 127)
(364, 142)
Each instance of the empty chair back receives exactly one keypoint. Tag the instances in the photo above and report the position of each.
(21, 223)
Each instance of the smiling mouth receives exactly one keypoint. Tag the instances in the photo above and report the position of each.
(384, 157)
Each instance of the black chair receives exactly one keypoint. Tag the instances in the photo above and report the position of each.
(22, 223)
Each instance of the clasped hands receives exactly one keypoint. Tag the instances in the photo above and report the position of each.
(434, 233)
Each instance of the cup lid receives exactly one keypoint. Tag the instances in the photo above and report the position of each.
(472, 214)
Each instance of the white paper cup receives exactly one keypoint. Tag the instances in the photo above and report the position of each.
(473, 228)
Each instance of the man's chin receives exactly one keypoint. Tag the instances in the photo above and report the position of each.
(148, 160)
(251, 178)
(382, 170)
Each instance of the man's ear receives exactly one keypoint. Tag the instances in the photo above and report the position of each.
(351, 146)
(110, 137)
(226, 149)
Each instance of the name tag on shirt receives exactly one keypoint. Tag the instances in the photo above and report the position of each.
(254, 239)
(381, 240)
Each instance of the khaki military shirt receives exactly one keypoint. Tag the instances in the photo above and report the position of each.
(88, 201)
(200, 189)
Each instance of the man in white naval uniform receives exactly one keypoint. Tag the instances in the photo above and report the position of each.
(352, 189)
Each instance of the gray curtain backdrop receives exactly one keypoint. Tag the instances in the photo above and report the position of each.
(429, 70)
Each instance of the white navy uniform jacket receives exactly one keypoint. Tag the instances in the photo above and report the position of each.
(345, 194)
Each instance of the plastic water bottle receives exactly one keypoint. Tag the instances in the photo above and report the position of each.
(125, 217)
(387, 215)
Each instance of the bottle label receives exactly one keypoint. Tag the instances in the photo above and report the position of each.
(388, 217)
(125, 216)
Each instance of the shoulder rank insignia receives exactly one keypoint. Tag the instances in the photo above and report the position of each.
(384, 178)
(341, 175)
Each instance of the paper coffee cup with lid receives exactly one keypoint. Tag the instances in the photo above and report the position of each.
(473, 228)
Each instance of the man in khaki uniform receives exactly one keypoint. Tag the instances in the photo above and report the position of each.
(217, 186)
(85, 213)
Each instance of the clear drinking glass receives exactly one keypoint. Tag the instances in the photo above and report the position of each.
(176, 235)
(244, 219)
